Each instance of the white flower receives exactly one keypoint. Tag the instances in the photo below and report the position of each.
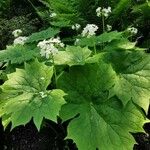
(42, 78)
(50, 47)
(109, 28)
(16, 32)
(76, 26)
(56, 41)
(76, 41)
(103, 12)
(89, 30)
(98, 11)
(52, 15)
(62, 45)
(20, 40)
(47, 50)
(132, 30)
(42, 94)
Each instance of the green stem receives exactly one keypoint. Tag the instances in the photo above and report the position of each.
(54, 70)
(103, 23)
(94, 48)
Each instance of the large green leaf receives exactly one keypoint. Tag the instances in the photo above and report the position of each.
(90, 81)
(25, 95)
(72, 56)
(104, 123)
(96, 40)
(105, 126)
(19, 53)
(121, 44)
(132, 77)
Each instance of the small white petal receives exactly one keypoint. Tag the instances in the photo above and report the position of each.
(17, 32)
(108, 27)
(52, 15)
(42, 78)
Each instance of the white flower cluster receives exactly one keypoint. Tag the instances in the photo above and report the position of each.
(43, 94)
(89, 30)
(50, 47)
(109, 27)
(52, 15)
(20, 40)
(103, 12)
(132, 30)
(17, 32)
(76, 26)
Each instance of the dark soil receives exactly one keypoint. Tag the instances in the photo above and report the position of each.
(52, 137)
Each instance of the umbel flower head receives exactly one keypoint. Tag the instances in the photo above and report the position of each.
(103, 12)
(17, 32)
(89, 30)
(132, 30)
(50, 47)
(20, 40)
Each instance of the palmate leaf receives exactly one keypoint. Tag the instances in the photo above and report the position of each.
(19, 53)
(92, 84)
(74, 55)
(105, 126)
(25, 96)
(132, 76)
(104, 123)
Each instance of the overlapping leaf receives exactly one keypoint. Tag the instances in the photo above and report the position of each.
(19, 53)
(74, 56)
(96, 40)
(132, 77)
(88, 81)
(25, 95)
(104, 123)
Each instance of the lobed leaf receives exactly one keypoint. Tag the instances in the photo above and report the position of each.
(19, 54)
(25, 95)
(104, 123)
(72, 56)
(132, 77)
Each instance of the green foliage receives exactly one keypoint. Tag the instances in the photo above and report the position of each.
(103, 38)
(44, 34)
(105, 89)
(97, 124)
(101, 83)
(24, 98)
(19, 54)
(132, 78)
(101, 118)
(120, 8)
(72, 56)
(22, 53)
(123, 13)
